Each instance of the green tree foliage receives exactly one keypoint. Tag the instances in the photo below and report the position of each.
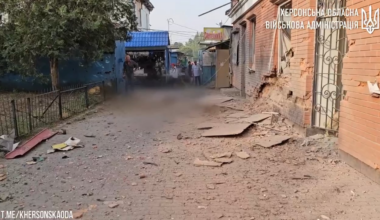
(178, 45)
(60, 30)
(192, 46)
(187, 51)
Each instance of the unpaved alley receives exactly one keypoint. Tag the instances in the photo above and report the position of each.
(138, 164)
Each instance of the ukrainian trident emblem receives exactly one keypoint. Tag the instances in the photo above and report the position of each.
(370, 24)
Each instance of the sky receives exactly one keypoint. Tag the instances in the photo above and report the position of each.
(185, 16)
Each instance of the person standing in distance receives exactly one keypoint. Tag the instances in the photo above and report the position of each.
(128, 72)
(196, 73)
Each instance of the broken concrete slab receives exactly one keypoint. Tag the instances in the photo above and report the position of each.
(271, 113)
(210, 186)
(214, 100)
(231, 120)
(254, 118)
(223, 160)
(227, 130)
(267, 121)
(208, 125)
(239, 115)
(113, 204)
(198, 162)
(243, 155)
(225, 154)
(272, 141)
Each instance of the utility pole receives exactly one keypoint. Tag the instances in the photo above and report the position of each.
(168, 56)
(170, 20)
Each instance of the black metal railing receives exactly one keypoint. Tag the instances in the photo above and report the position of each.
(23, 113)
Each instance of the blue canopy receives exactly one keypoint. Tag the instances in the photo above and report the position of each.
(149, 40)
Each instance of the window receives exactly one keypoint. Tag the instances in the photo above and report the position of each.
(147, 22)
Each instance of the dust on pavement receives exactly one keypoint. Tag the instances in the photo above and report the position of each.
(139, 165)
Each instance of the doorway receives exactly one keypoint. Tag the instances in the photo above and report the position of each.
(243, 66)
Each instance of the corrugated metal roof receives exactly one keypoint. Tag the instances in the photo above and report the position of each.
(148, 39)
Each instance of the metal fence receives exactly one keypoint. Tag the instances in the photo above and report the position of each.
(22, 113)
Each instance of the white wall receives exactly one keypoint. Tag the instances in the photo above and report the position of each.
(145, 25)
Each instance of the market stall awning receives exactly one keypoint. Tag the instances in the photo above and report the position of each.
(148, 41)
(225, 43)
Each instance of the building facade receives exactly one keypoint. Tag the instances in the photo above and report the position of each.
(317, 77)
(143, 8)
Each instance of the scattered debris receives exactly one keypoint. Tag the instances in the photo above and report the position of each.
(272, 141)
(89, 135)
(301, 177)
(202, 207)
(68, 145)
(310, 140)
(166, 150)
(353, 193)
(208, 125)
(59, 146)
(225, 154)
(31, 143)
(325, 217)
(38, 159)
(198, 162)
(31, 162)
(62, 131)
(113, 204)
(65, 157)
(168, 196)
(179, 136)
(223, 160)
(134, 184)
(226, 130)
(79, 213)
(255, 118)
(4, 196)
(210, 186)
(128, 157)
(271, 113)
(178, 174)
(243, 155)
(3, 176)
(7, 143)
(142, 176)
(50, 151)
(72, 141)
(88, 194)
(150, 163)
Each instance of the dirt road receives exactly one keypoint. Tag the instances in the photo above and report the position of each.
(140, 162)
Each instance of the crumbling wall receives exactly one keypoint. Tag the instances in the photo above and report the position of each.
(265, 48)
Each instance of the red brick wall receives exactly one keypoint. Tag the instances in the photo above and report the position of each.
(264, 11)
(359, 123)
(302, 63)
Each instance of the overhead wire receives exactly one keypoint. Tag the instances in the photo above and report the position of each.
(150, 29)
(184, 26)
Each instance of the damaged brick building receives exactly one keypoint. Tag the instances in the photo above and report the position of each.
(319, 78)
